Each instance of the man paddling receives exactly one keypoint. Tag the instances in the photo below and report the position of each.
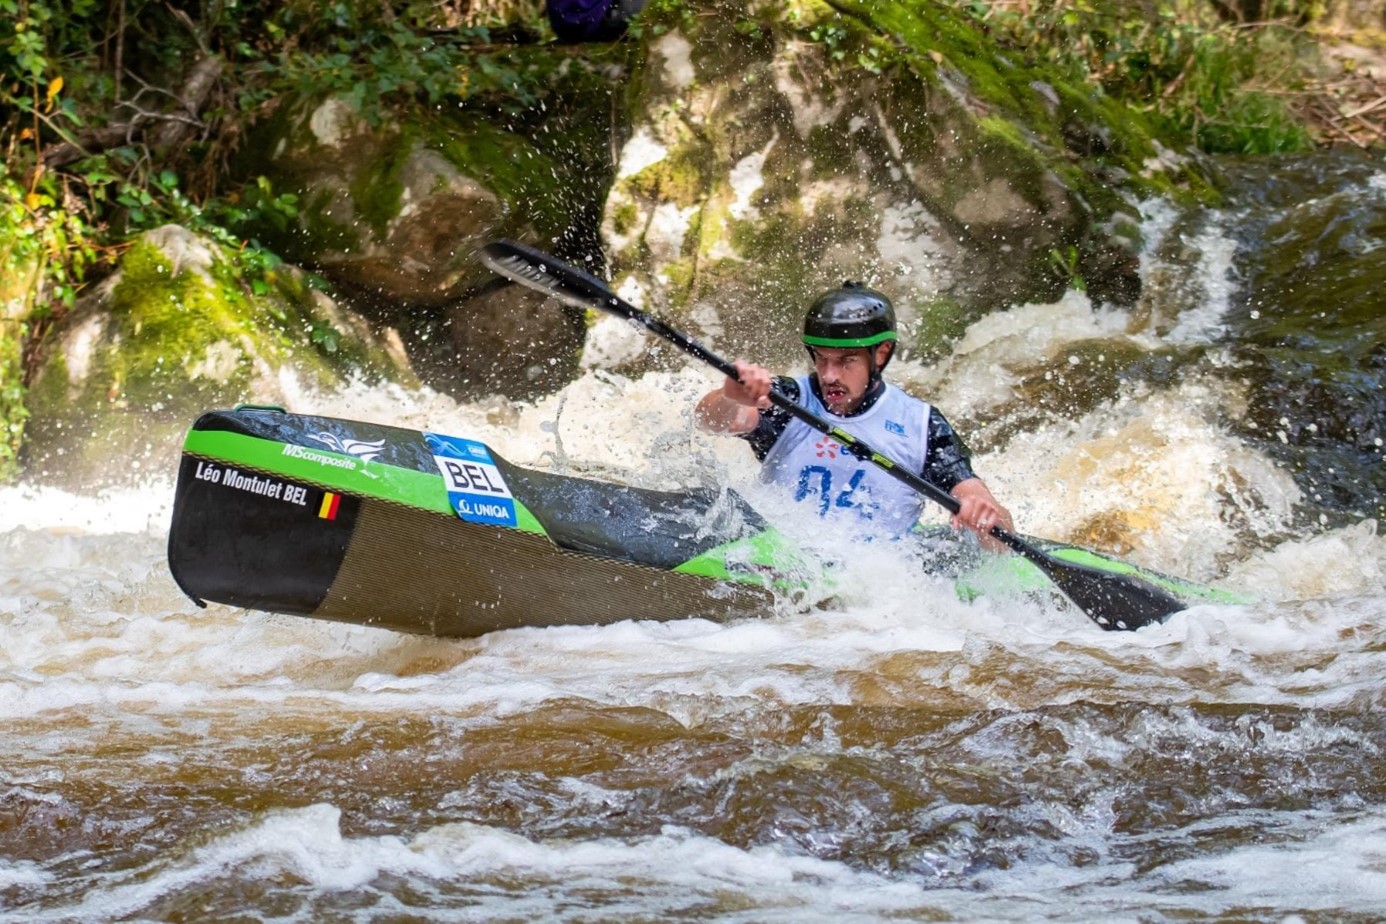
(850, 335)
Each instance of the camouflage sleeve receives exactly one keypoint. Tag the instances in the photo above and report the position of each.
(949, 461)
(773, 420)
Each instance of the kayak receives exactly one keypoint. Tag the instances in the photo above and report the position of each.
(436, 534)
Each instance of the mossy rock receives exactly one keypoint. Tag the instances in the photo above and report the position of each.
(396, 209)
(177, 330)
(16, 285)
(396, 206)
(778, 149)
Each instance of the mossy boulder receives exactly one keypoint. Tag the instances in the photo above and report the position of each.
(778, 149)
(182, 327)
(396, 209)
(17, 284)
(392, 210)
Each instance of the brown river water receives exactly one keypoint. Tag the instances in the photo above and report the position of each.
(893, 754)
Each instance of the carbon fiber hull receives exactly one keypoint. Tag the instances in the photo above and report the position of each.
(424, 533)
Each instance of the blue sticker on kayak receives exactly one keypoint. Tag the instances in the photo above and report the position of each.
(476, 490)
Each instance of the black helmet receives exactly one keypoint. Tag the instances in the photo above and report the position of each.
(852, 316)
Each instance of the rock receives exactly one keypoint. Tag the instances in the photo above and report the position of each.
(385, 208)
(505, 340)
(177, 330)
(774, 154)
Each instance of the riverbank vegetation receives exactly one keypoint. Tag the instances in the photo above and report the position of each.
(119, 117)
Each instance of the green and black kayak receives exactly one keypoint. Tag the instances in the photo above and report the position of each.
(435, 534)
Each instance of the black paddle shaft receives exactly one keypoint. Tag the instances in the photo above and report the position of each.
(1114, 601)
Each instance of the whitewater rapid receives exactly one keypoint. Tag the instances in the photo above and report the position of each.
(896, 752)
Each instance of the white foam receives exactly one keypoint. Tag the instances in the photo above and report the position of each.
(1316, 862)
(1351, 560)
(976, 377)
(22, 875)
(140, 508)
(493, 871)
(1331, 863)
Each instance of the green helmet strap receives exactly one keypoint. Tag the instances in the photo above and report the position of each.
(849, 342)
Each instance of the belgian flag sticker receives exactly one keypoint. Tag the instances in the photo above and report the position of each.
(330, 503)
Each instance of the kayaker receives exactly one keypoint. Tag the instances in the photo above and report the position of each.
(850, 336)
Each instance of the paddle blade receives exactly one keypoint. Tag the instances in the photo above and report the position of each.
(1113, 601)
(542, 272)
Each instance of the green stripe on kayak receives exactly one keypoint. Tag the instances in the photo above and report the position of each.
(766, 559)
(337, 471)
(1011, 574)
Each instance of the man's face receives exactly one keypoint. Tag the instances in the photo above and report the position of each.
(844, 374)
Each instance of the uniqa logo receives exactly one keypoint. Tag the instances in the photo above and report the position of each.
(829, 447)
(361, 449)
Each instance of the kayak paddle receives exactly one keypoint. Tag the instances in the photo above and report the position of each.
(1114, 601)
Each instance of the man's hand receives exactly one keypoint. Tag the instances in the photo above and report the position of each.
(736, 406)
(751, 387)
(979, 512)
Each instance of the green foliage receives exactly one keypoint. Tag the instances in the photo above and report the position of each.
(832, 35)
(659, 14)
(59, 244)
(45, 251)
(34, 33)
(324, 336)
(256, 206)
(70, 218)
(1201, 74)
(376, 59)
(1063, 262)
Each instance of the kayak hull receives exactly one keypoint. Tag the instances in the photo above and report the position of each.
(267, 517)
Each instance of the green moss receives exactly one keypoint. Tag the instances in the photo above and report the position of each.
(1007, 151)
(378, 189)
(623, 217)
(138, 388)
(829, 151)
(533, 184)
(681, 178)
(13, 411)
(543, 172)
(766, 240)
(930, 36)
(177, 340)
(680, 273)
(165, 321)
(1003, 86)
(181, 339)
(939, 323)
